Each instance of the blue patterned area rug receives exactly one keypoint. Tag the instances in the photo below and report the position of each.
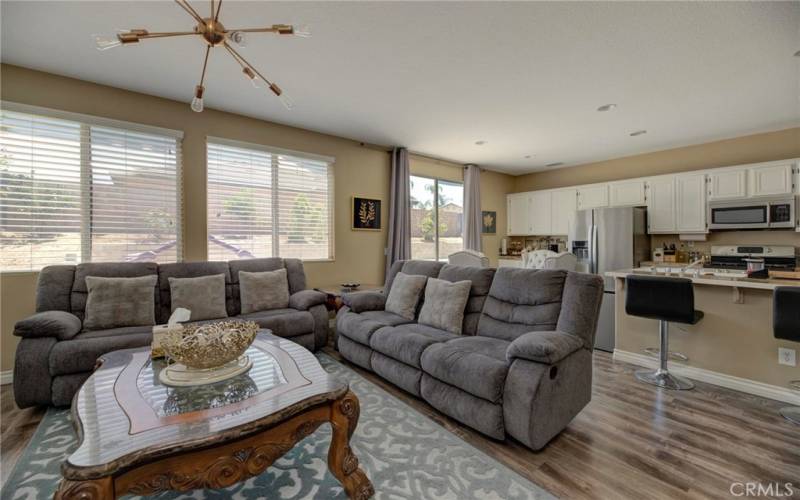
(405, 454)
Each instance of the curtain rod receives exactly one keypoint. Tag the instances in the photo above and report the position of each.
(423, 156)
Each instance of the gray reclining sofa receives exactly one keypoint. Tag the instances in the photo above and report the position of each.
(522, 365)
(56, 354)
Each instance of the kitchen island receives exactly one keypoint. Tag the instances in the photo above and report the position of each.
(732, 346)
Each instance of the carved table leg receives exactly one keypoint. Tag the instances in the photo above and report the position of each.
(98, 489)
(341, 460)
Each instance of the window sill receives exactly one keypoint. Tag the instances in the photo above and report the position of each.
(17, 273)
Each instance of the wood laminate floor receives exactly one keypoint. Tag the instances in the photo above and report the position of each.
(632, 441)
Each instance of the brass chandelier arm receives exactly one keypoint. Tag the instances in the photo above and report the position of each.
(205, 64)
(168, 34)
(189, 10)
(277, 28)
(243, 62)
(219, 7)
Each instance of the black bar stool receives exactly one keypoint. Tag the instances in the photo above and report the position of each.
(786, 326)
(667, 300)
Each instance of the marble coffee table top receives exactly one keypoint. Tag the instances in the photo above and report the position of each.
(124, 415)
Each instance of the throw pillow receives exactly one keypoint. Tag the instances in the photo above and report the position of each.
(444, 304)
(117, 302)
(204, 296)
(263, 291)
(404, 295)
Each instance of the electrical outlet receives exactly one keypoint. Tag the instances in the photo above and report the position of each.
(787, 356)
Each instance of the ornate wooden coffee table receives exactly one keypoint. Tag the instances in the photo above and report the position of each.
(140, 437)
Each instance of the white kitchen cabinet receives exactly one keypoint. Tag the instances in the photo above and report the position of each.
(541, 210)
(769, 180)
(564, 203)
(728, 184)
(594, 196)
(626, 193)
(690, 203)
(661, 205)
(518, 214)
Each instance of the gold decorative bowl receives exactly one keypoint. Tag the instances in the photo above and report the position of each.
(210, 345)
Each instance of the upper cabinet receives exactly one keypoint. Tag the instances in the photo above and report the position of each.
(690, 203)
(676, 203)
(564, 203)
(727, 184)
(518, 206)
(594, 196)
(627, 193)
(769, 180)
(540, 212)
(661, 205)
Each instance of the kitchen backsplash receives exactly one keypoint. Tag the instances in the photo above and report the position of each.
(769, 237)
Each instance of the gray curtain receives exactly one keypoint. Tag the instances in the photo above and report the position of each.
(398, 246)
(472, 208)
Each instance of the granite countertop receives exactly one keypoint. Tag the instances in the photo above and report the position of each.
(762, 284)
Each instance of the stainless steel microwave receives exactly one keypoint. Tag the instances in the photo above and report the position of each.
(764, 213)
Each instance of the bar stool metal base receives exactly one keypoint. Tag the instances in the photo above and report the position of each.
(791, 413)
(662, 377)
(665, 379)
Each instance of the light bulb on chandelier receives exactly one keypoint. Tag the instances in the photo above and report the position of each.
(257, 82)
(197, 101)
(105, 42)
(302, 30)
(287, 101)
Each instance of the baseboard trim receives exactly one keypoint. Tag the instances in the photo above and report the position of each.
(728, 381)
(6, 377)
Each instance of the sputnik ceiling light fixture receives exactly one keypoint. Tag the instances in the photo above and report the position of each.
(214, 34)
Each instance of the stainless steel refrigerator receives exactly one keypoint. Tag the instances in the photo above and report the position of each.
(609, 239)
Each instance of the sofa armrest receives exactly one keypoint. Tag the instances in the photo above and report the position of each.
(364, 301)
(544, 347)
(306, 299)
(58, 324)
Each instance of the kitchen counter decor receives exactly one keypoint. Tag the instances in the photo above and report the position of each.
(207, 353)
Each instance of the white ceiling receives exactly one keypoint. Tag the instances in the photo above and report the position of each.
(436, 77)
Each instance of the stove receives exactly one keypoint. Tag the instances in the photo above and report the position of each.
(732, 257)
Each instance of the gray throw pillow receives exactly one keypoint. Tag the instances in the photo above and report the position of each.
(263, 291)
(404, 295)
(117, 302)
(444, 304)
(204, 296)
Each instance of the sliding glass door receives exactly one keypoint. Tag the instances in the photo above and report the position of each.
(437, 216)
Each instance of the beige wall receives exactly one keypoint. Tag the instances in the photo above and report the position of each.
(358, 170)
(741, 150)
(494, 187)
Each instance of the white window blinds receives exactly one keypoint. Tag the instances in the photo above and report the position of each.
(73, 190)
(265, 202)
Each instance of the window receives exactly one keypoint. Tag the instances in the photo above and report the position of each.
(76, 189)
(437, 217)
(267, 202)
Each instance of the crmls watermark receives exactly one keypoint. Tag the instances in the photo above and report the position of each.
(776, 490)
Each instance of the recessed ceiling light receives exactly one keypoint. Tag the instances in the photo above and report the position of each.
(556, 164)
(638, 132)
(480, 143)
(607, 107)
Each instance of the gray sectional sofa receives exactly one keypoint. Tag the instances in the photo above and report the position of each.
(522, 365)
(56, 354)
